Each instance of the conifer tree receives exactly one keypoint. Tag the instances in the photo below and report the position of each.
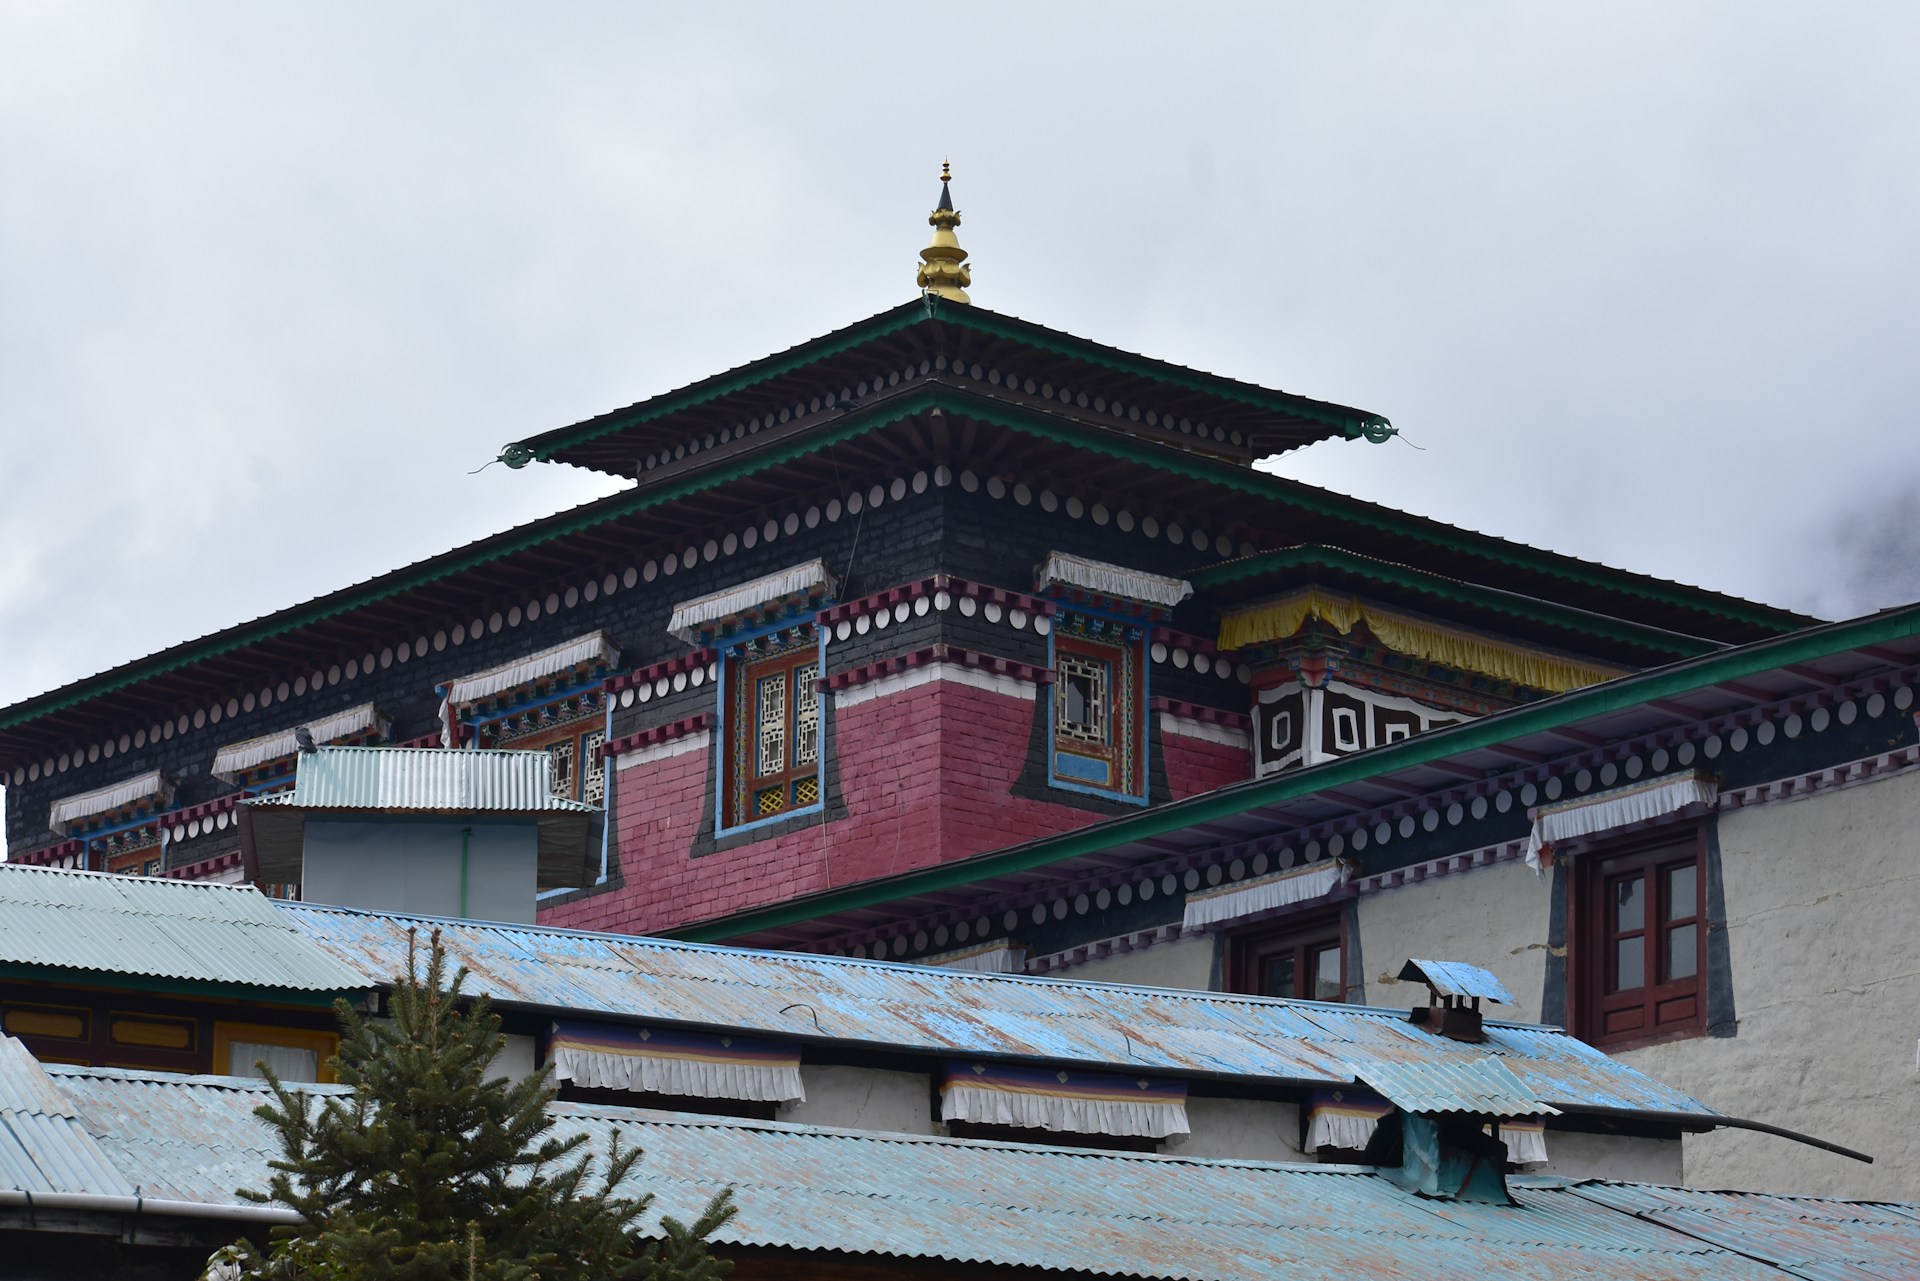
(431, 1170)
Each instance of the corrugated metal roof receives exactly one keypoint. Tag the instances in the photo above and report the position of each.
(419, 778)
(1817, 1239)
(1108, 1213)
(43, 1145)
(939, 1011)
(1484, 1087)
(94, 921)
(1456, 978)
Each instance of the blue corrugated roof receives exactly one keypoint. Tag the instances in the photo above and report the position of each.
(917, 1008)
(1456, 978)
(44, 1147)
(1484, 1087)
(1108, 1213)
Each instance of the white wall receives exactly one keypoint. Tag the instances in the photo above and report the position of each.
(863, 1099)
(1611, 1156)
(1241, 1129)
(1823, 931)
(1185, 962)
(1495, 917)
(417, 868)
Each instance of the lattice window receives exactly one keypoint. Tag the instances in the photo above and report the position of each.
(561, 754)
(1082, 699)
(772, 700)
(806, 720)
(1099, 705)
(593, 768)
(773, 726)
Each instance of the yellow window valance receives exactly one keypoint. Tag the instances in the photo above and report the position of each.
(1278, 619)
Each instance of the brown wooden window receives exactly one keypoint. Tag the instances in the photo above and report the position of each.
(1642, 948)
(1304, 960)
(773, 727)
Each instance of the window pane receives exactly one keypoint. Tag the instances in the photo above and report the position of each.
(288, 1063)
(1326, 974)
(561, 754)
(1683, 893)
(1683, 952)
(1629, 904)
(1629, 964)
(1081, 710)
(1276, 975)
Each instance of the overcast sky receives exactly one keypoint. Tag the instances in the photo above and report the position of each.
(1640, 282)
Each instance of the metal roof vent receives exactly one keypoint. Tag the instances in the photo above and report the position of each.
(1457, 990)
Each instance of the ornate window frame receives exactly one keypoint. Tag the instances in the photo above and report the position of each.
(793, 654)
(1097, 710)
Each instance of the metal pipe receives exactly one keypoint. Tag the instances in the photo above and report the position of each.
(103, 1203)
(1700, 1121)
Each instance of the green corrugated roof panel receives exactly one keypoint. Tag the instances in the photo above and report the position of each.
(55, 919)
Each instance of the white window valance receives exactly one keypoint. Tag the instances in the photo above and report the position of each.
(149, 786)
(237, 758)
(1002, 956)
(655, 1060)
(1066, 570)
(594, 649)
(1619, 807)
(807, 578)
(1211, 909)
(1074, 1102)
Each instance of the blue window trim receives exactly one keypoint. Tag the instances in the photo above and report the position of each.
(723, 740)
(1146, 699)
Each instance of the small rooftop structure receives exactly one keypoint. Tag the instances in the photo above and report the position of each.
(1457, 990)
(362, 794)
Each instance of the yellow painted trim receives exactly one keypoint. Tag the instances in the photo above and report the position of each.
(324, 1044)
(1278, 619)
(152, 1031)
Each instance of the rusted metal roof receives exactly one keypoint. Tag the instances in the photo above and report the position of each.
(1103, 1213)
(56, 919)
(1456, 978)
(1808, 1237)
(951, 1012)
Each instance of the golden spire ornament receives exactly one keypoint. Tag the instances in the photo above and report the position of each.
(943, 269)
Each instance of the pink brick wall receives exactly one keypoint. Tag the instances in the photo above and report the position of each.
(1195, 765)
(926, 774)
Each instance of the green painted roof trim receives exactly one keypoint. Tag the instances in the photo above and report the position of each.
(1322, 502)
(124, 981)
(1684, 677)
(469, 557)
(1510, 603)
(750, 375)
(1351, 422)
(1114, 443)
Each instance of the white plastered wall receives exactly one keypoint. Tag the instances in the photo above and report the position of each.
(1822, 896)
(1495, 917)
(1185, 962)
(1239, 1129)
(863, 1099)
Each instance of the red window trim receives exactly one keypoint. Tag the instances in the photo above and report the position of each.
(1668, 1009)
(1248, 949)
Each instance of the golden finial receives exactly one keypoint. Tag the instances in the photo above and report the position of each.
(943, 269)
